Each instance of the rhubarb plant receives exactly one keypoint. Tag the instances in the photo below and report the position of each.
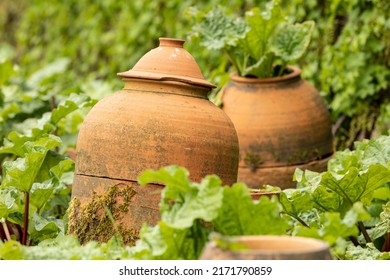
(347, 206)
(261, 44)
(35, 178)
(353, 194)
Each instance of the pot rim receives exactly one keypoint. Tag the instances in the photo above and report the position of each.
(294, 75)
(302, 244)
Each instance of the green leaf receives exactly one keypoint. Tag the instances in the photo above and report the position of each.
(173, 177)
(330, 228)
(22, 172)
(11, 250)
(42, 228)
(326, 199)
(7, 202)
(40, 193)
(240, 215)
(370, 252)
(219, 31)
(262, 25)
(33, 130)
(158, 242)
(47, 72)
(6, 70)
(383, 226)
(54, 166)
(72, 103)
(296, 201)
(192, 201)
(291, 42)
(201, 201)
(306, 178)
(353, 186)
(377, 151)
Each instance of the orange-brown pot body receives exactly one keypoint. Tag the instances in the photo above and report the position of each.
(137, 129)
(282, 124)
(160, 118)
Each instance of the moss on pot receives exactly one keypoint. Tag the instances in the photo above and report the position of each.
(97, 219)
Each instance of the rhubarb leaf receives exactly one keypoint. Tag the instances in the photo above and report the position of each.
(291, 42)
(241, 215)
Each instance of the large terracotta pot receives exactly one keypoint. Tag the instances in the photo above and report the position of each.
(161, 117)
(282, 124)
(268, 247)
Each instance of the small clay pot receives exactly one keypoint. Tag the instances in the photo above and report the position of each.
(269, 247)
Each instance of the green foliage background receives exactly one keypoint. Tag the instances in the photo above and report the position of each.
(57, 58)
(348, 60)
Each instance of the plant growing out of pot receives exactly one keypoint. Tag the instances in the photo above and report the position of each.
(281, 120)
(261, 44)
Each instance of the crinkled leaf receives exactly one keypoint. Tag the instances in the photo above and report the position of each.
(63, 167)
(326, 199)
(262, 24)
(383, 226)
(356, 214)
(261, 68)
(42, 228)
(54, 166)
(220, 31)
(159, 242)
(182, 201)
(330, 228)
(176, 183)
(291, 42)
(295, 201)
(375, 177)
(69, 248)
(33, 129)
(240, 215)
(40, 193)
(72, 103)
(377, 151)
(7, 202)
(370, 252)
(201, 201)
(306, 178)
(353, 186)
(22, 172)
(343, 160)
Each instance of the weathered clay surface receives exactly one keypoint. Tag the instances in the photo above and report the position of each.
(133, 130)
(278, 176)
(161, 117)
(280, 122)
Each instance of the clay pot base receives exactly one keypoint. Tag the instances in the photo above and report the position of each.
(270, 248)
(129, 204)
(280, 176)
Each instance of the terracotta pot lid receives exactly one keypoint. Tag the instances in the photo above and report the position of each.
(168, 62)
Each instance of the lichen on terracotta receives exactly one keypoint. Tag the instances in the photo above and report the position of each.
(90, 221)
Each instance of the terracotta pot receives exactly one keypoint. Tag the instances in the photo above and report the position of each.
(282, 124)
(270, 248)
(161, 117)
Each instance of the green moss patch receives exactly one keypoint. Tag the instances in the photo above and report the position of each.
(100, 217)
